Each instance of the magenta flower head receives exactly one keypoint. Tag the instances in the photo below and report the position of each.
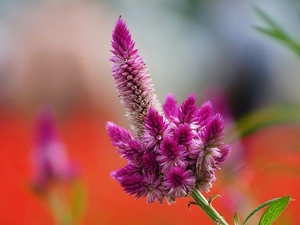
(49, 157)
(171, 151)
(133, 81)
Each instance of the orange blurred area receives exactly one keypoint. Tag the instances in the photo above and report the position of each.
(84, 135)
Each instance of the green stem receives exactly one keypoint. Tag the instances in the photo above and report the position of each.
(207, 208)
(59, 207)
(66, 216)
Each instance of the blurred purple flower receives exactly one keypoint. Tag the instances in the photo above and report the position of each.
(49, 157)
(174, 150)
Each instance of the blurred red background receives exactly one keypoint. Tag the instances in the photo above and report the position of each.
(84, 135)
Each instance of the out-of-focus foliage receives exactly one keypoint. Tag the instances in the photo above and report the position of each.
(265, 117)
(275, 31)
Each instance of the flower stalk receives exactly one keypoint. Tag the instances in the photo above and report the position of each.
(208, 208)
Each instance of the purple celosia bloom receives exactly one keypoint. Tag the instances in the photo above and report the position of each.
(133, 82)
(170, 107)
(179, 182)
(155, 129)
(172, 150)
(188, 110)
(183, 135)
(49, 157)
(171, 154)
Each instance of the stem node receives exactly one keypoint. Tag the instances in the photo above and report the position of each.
(202, 202)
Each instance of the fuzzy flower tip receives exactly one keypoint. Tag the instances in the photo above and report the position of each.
(49, 157)
(176, 149)
(132, 79)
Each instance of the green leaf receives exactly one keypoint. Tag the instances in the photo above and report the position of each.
(275, 31)
(236, 219)
(266, 18)
(56, 206)
(274, 211)
(262, 118)
(277, 34)
(275, 201)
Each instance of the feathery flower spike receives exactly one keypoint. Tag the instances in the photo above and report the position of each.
(172, 150)
(133, 81)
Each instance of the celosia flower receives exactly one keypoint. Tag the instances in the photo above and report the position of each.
(171, 151)
(50, 161)
(171, 154)
(179, 182)
(133, 82)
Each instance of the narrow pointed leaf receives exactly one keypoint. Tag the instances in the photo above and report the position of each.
(267, 203)
(266, 18)
(274, 211)
(236, 219)
(277, 34)
(281, 36)
(275, 31)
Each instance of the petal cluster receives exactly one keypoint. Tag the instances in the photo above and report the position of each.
(174, 155)
(172, 150)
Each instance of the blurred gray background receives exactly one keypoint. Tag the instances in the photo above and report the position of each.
(58, 51)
